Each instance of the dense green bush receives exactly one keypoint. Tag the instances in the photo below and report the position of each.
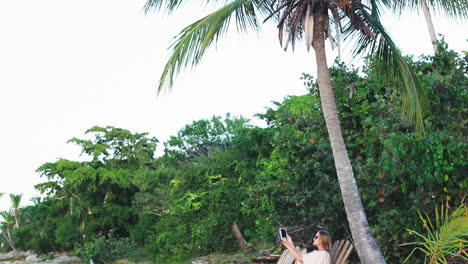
(42, 222)
(209, 170)
(104, 250)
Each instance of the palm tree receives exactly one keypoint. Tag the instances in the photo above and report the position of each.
(310, 20)
(451, 8)
(5, 228)
(15, 203)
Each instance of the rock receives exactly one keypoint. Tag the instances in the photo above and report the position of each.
(12, 255)
(19, 254)
(66, 259)
(32, 258)
(200, 261)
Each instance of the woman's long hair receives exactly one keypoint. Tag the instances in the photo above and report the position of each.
(325, 240)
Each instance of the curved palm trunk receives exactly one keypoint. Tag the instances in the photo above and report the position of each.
(365, 244)
(15, 215)
(8, 239)
(338, 39)
(430, 25)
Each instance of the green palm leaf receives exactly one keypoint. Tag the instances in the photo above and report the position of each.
(15, 200)
(450, 8)
(443, 238)
(390, 64)
(157, 4)
(8, 218)
(193, 40)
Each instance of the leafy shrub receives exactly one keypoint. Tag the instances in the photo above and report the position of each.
(104, 250)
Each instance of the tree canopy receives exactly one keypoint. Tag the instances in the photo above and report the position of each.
(222, 170)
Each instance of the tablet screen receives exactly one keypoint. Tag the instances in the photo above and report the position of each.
(282, 232)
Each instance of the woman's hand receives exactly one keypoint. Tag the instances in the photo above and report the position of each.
(287, 242)
(290, 240)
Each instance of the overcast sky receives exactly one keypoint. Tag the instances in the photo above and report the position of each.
(66, 66)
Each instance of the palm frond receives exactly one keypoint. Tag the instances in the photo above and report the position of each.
(457, 9)
(355, 20)
(295, 19)
(169, 5)
(246, 17)
(192, 41)
(156, 5)
(7, 217)
(451, 229)
(15, 200)
(376, 6)
(391, 65)
(275, 11)
(265, 7)
(443, 237)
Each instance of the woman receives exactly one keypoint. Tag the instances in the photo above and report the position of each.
(321, 256)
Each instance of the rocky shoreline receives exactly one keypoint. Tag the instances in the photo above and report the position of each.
(29, 257)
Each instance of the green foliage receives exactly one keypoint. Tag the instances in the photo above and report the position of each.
(204, 136)
(289, 177)
(223, 170)
(399, 173)
(445, 238)
(88, 198)
(117, 146)
(100, 191)
(300, 167)
(15, 200)
(47, 228)
(208, 165)
(67, 232)
(104, 250)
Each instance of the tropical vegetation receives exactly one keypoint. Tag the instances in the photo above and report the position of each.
(120, 201)
(311, 20)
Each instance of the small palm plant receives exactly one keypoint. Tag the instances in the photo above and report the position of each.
(15, 203)
(6, 226)
(444, 239)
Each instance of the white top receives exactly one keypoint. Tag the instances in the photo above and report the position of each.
(317, 257)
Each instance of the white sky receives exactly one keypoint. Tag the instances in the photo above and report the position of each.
(66, 66)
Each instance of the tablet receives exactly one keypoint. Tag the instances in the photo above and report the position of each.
(282, 232)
